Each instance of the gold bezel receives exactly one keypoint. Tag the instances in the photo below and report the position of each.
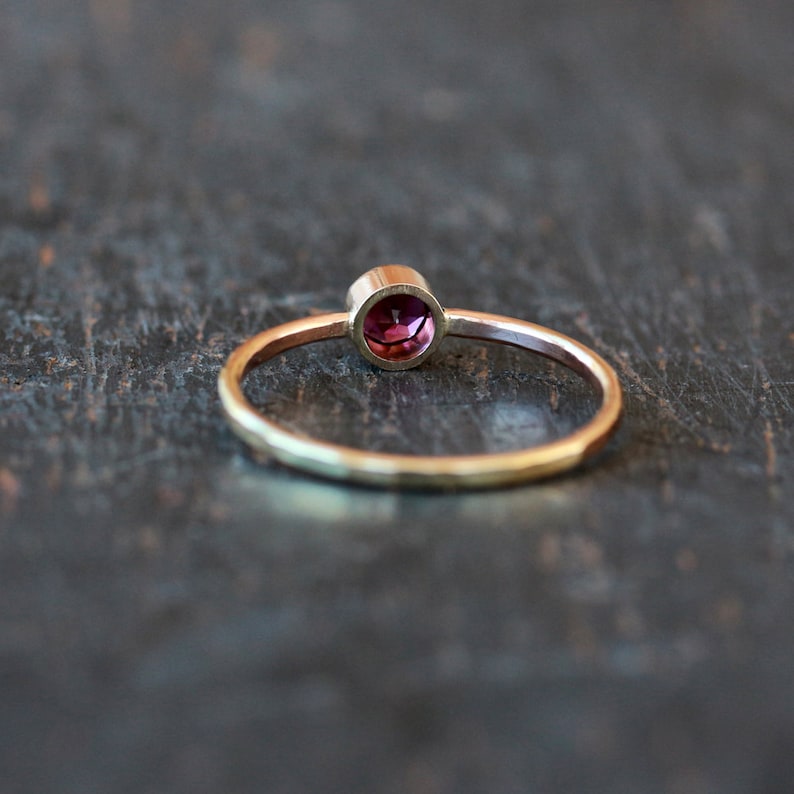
(382, 282)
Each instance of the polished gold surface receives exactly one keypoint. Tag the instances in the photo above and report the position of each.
(469, 471)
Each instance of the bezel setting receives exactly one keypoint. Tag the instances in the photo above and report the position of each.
(384, 282)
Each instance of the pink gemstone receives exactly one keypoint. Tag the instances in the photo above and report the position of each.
(399, 327)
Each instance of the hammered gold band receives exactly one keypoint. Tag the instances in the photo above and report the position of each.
(436, 471)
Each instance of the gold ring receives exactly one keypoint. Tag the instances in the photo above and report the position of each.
(396, 323)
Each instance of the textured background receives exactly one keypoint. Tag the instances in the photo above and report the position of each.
(175, 617)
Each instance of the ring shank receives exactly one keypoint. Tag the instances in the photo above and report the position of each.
(536, 339)
(437, 471)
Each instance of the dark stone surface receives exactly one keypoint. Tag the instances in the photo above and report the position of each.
(176, 617)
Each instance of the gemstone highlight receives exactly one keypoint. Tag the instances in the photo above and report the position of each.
(399, 328)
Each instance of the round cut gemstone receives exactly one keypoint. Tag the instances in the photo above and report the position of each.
(399, 328)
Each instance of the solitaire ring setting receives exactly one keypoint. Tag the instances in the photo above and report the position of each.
(396, 323)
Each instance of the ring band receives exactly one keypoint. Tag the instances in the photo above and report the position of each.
(396, 323)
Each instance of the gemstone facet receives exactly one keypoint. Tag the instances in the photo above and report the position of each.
(399, 327)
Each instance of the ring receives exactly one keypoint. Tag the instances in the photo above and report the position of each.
(396, 322)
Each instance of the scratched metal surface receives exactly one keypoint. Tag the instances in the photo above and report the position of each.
(176, 617)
